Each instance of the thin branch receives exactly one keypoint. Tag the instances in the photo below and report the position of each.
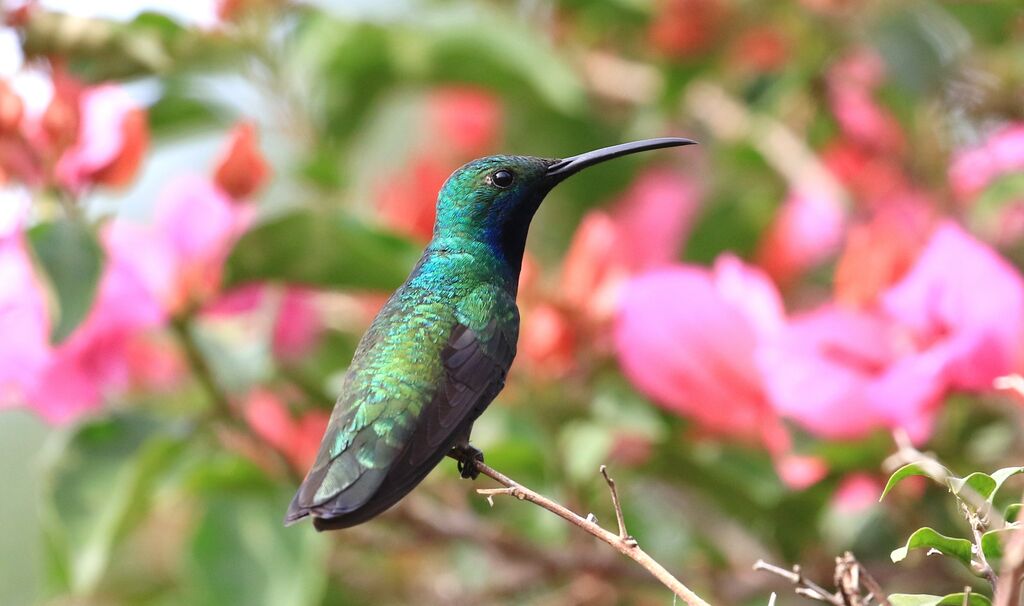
(627, 547)
(805, 586)
(623, 535)
(221, 408)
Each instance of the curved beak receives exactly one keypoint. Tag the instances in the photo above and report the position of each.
(566, 167)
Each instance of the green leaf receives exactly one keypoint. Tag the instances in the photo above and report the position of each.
(927, 469)
(930, 539)
(953, 599)
(980, 483)
(100, 485)
(71, 258)
(1012, 512)
(992, 542)
(321, 250)
(1001, 476)
(241, 553)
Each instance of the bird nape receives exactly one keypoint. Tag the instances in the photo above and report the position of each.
(437, 353)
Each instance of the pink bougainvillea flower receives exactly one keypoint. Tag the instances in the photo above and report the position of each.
(194, 228)
(241, 170)
(807, 230)
(465, 118)
(963, 304)
(298, 325)
(972, 169)
(800, 471)
(296, 439)
(851, 85)
(24, 350)
(686, 337)
(879, 251)
(297, 322)
(954, 321)
(644, 229)
(111, 138)
(857, 492)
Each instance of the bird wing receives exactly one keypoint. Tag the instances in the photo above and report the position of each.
(388, 456)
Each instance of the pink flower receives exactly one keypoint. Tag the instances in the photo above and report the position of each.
(800, 471)
(807, 230)
(954, 321)
(298, 324)
(24, 349)
(644, 229)
(851, 83)
(686, 337)
(964, 304)
(974, 168)
(296, 439)
(857, 492)
(111, 138)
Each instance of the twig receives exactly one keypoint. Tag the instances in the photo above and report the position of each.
(623, 535)
(627, 547)
(204, 374)
(448, 523)
(805, 586)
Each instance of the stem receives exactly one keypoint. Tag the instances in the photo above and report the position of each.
(626, 546)
(221, 409)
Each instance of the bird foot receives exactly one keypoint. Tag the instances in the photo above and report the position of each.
(467, 455)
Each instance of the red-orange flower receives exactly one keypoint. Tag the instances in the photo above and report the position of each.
(241, 170)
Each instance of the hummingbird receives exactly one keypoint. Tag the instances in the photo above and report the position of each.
(439, 350)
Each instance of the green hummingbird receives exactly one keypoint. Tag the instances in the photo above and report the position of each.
(438, 352)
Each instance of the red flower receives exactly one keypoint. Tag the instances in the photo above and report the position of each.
(466, 119)
(685, 27)
(241, 170)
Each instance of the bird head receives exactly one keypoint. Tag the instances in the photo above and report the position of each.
(493, 199)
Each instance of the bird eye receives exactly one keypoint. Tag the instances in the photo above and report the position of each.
(502, 179)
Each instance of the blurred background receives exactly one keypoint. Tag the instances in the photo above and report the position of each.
(204, 204)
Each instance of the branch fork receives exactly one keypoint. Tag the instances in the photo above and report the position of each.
(623, 542)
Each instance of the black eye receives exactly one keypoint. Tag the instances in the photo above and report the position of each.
(502, 178)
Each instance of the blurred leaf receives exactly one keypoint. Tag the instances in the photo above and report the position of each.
(105, 49)
(992, 542)
(953, 599)
(585, 446)
(1012, 512)
(928, 538)
(980, 483)
(241, 552)
(72, 260)
(177, 112)
(100, 487)
(927, 469)
(920, 43)
(331, 251)
(1001, 476)
(504, 55)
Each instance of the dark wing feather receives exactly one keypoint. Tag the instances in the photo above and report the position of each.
(474, 363)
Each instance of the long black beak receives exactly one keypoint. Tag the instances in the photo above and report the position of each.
(570, 166)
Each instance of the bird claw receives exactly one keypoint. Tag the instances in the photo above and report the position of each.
(467, 456)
